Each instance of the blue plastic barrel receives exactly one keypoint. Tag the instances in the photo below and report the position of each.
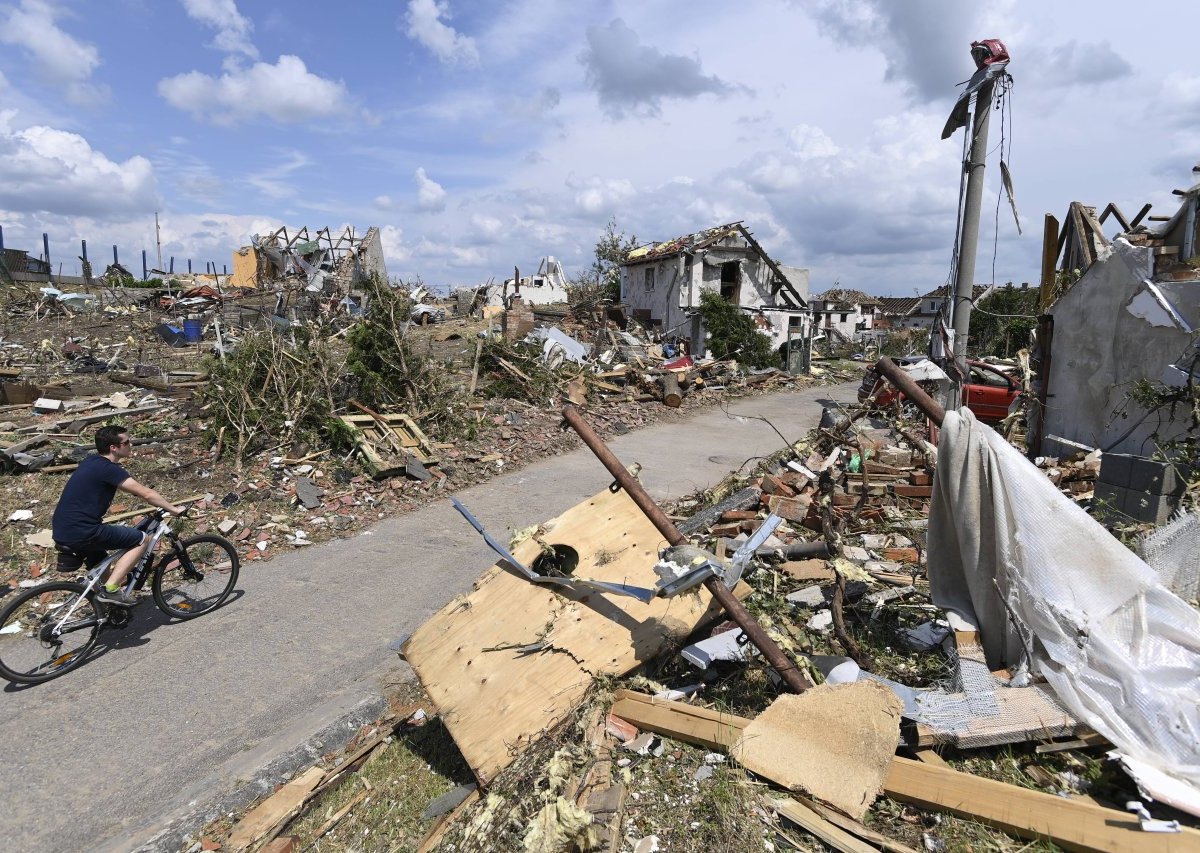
(192, 330)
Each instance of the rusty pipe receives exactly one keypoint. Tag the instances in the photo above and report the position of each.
(796, 680)
(932, 409)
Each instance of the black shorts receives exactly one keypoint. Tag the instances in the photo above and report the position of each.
(106, 537)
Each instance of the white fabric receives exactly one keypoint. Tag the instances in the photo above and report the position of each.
(1120, 650)
(924, 371)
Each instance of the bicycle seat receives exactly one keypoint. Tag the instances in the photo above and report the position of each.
(71, 560)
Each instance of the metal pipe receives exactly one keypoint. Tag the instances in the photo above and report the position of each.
(795, 680)
(931, 407)
(796, 551)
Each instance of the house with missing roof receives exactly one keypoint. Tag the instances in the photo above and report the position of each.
(661, 285)
(843, 314)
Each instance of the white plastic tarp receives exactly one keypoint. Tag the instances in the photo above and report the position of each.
(1119, 649)
(924, 371)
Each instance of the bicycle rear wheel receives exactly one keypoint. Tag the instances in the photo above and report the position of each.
(47, 631)
(196, 576)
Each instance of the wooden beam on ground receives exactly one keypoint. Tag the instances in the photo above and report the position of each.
(1071, 824)
(815, 825)
(275, 810)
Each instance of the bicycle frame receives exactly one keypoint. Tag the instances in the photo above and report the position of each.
(158, 528)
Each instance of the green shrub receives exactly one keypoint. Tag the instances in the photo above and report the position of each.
(732, 333)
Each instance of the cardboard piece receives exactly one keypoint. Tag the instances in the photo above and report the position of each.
(834, 742)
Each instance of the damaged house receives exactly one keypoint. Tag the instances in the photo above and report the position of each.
(319, 264)
(1118, 349)
(844, 315)
(661, 284)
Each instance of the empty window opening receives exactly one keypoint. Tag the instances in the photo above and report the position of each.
(731, 281)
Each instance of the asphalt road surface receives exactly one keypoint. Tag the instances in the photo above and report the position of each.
(169, 716)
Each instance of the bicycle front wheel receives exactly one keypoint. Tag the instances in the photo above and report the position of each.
(47, 631)
(196, 576)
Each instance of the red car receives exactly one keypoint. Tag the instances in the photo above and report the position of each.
(988, 391)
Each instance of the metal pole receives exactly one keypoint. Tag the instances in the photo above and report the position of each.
(115, 261)
(965, 280)
(145, 271)
(796, 680)
(46, 246)
(158, 240)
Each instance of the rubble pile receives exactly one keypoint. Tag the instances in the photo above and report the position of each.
(905, 737)
(284, 467)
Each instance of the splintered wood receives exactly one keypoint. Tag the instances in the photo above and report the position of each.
(387, 442)
(510, 660)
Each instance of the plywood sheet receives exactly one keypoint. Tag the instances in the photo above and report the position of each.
(834, 742)
(495, 696)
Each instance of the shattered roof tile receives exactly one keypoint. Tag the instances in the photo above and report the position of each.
(698, 240)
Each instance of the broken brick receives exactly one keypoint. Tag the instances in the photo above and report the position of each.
(790, 509)
(774, 486)
(901, 555)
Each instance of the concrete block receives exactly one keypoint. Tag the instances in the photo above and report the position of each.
(1155, 509)
(1114, 469)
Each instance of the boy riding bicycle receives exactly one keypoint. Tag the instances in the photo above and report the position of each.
(78, 525)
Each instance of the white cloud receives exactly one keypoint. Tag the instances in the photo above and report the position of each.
(53, 171)
(285, 92)
(276, 182)
(596, 195)
(425, 25)
(383, 202)
(451, 255)
(430, 194)
(233, 29)
(486, 229)
(629, 76)
(1079, 63)
(925, 44)
(63, 59)
(810, 143)
(395, 251)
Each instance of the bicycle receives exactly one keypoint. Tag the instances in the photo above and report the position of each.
(50, 629)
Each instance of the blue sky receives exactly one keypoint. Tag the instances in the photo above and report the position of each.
(482, 136)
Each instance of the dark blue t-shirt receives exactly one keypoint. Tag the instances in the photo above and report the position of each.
(86, 498)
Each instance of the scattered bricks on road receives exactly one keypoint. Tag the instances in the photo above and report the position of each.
(794, 479)
(920, 478)
(739, 515)
(907, 491)
(727, 529)
(772, 485)
(790, 509)
(245, 534)
(840, 499)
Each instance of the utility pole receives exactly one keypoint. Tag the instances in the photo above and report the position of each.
(991, 61)
(964, 283)
(158, 241)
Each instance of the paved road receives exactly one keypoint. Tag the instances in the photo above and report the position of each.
(176, 715)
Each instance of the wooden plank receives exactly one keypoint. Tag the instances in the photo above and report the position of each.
(274, 810)
(812, 823)
(134, 513)
(494, 703)
(854, 827)
(689, 723)
(1072, 824)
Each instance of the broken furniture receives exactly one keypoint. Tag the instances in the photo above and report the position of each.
(388, 442)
